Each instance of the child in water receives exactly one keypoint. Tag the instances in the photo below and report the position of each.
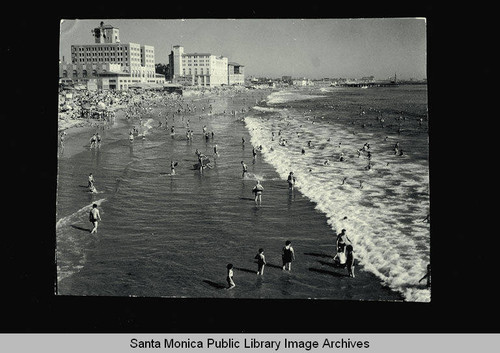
(261, 261)
(229, 277)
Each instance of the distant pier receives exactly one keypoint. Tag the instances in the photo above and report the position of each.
(368, 84)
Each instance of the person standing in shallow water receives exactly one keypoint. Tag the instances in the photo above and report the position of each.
(229, 277)
(257, 190)
(94, 217)
(349, 260)
(287, 255)
(291, 180)
(91, 180)
(245, 168)
(261, 261)
(93, 140)
(341, 241)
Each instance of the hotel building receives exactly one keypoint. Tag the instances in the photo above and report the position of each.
(203, 69)
(113, 65)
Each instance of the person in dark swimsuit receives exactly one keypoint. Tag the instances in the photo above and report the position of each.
(287, 255)
(291, 180)
(349, 260)
(261, 261)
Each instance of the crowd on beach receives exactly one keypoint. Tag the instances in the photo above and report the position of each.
(85, 104)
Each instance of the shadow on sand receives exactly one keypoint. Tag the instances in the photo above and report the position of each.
(244, 270)
(214, 284)
(318, 255)
(335, 274)
(247, 198)
(274, 266)
(81, 228)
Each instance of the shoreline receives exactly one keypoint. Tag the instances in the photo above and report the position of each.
(311, 258)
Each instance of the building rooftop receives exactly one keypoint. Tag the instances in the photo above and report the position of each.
(113, 73)
(232, 63)
(102, 25)
(198, 54)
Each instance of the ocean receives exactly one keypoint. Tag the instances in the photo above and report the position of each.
(172, 236)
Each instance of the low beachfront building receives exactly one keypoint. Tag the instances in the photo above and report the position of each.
(203, 69)
(113, 64)
(302, 82)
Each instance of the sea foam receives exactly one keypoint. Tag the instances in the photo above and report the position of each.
(384, 246)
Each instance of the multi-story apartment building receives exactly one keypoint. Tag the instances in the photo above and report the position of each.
(203, 69)
(127, 63)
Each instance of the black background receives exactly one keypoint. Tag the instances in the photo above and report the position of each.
(461, 81)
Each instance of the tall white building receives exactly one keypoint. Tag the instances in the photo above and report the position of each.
(131, 62)
(202, 69)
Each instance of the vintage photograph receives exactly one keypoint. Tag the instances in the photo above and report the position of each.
(243, 158)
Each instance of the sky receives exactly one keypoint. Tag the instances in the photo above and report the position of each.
(311, 48)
